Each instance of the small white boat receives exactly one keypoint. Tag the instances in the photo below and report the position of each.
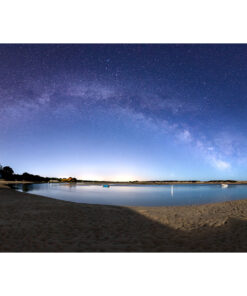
(224, 185)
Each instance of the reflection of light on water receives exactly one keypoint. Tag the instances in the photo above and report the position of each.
(138, 195)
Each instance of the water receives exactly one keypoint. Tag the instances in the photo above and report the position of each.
(138, 195)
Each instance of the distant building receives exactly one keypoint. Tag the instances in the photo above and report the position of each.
(68, 179)
(53, 181)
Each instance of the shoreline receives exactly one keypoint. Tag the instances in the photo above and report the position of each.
(33, 223)
(159, 182)
(5, 183)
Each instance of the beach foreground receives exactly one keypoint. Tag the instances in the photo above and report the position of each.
(31, 223)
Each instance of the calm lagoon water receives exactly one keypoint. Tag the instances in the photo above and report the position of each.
(138, 195)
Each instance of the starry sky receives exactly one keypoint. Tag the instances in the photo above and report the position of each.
(124, 111)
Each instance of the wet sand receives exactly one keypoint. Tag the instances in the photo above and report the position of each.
(31, 223)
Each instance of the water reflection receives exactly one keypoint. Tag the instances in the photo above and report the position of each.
(26, 187)
(172, 191)
(138, 195)
(22, 187)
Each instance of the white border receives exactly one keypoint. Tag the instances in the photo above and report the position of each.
(122, 22)
(129, 21)
(123, 274)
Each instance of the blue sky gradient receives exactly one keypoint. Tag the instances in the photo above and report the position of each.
(124, 112)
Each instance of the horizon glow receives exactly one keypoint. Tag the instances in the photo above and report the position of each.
(124, 112)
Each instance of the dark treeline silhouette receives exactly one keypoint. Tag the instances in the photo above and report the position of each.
(8, 174)
(219, 181)
(30, 177)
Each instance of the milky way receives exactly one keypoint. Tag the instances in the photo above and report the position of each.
(124, 111)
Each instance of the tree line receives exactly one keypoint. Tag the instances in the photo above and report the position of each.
(8, 174)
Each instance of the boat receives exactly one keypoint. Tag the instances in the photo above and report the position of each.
(106, 186)
(224, 185)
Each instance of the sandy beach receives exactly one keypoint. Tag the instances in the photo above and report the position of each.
(31, 223)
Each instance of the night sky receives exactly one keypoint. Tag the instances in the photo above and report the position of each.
(124, 112)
